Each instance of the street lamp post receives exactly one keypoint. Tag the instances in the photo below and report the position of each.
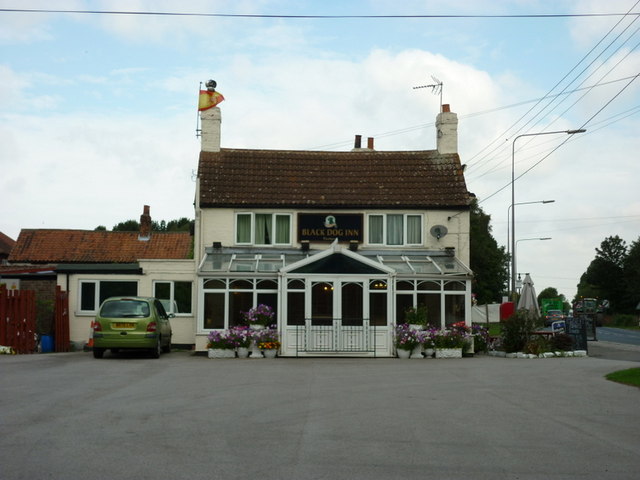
(513, 197)
(513, 259)
(508, 229)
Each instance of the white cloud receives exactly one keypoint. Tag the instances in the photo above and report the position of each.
(133, 143)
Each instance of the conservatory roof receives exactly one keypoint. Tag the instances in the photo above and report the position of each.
(297, 261)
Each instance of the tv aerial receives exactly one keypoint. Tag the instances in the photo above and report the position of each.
(436, 88)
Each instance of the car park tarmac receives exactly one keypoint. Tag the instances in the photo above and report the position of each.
(186, 416)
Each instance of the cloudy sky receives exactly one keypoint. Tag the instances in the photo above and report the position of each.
(98, 111)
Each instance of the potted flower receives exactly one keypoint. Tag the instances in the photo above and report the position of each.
(240, 336)
(405, 340)
(219, 345)
(480, 338)
(427, 342)
(259, 317)
(449, 343)
(466, 331)
(268, 341)
(416, 317)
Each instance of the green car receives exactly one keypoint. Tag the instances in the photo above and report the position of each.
(132, 323)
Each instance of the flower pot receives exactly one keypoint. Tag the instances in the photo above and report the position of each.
(429, 352)
(448, 352)
(256, 326)
(243, 352)
(416, 352)
(255, 351)
(221, 353)
(402, 353)
(270, 353)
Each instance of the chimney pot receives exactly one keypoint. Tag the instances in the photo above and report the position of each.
(446, 107)
(370, 143)
(145, 224)
(358, 142)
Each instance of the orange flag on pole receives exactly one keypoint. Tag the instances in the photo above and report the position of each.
(209, 99)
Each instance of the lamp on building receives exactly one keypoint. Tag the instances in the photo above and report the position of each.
(304, 245)
(513, 197)
(217, 245)
(353, 245)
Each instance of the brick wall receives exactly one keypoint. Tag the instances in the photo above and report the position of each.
(45, 290)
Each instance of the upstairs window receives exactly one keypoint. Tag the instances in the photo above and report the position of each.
(395, 229)
(263, 228)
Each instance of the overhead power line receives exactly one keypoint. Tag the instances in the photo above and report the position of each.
(261, 15)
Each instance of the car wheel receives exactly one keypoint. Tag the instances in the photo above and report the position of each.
(155, 353)
(167, 347)
(98, 352)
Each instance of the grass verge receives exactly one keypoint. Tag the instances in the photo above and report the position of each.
(630, 376)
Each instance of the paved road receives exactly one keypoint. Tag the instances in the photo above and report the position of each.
(618, 335)
(69, 416)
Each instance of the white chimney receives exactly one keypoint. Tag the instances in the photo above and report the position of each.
(210, 121)
(447, 128)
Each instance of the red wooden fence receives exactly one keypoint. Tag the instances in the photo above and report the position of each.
(18, 320)
(62, 341)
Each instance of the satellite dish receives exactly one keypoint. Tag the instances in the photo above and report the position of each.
(438, 231)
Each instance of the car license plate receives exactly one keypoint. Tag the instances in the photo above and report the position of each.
(124, 325)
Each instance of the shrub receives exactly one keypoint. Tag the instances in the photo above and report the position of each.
(562, 342)
(516, 330)
(624, 321)
(416, 315)
(537, 345)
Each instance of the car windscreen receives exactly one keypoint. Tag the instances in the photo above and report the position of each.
(125, 309)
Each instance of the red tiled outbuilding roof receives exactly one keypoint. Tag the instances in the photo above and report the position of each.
(6, 244)
(313, 179)
(86, 246)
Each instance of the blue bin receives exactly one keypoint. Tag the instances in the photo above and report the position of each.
(46, 342)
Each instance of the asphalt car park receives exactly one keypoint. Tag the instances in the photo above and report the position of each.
(186, 416)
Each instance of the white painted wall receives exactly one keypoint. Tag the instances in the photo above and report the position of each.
(177, 270)
(218, 225)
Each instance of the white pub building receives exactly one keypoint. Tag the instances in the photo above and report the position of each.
(340, 244)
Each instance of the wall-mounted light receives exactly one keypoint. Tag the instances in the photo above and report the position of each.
(353, 245)
(304, 245)
(217, 245)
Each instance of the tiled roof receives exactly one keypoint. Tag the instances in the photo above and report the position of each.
(314, 179)
(6, 244)
(85, 246)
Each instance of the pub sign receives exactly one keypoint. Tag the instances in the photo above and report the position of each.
(326, 227)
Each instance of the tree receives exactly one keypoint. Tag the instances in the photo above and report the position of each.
(604, 278)
(612, 250)
(127, 226)
(631, 274)
(180, 225)
(489, 262)
(552, 292)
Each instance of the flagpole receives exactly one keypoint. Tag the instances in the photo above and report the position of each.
(198, 114)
